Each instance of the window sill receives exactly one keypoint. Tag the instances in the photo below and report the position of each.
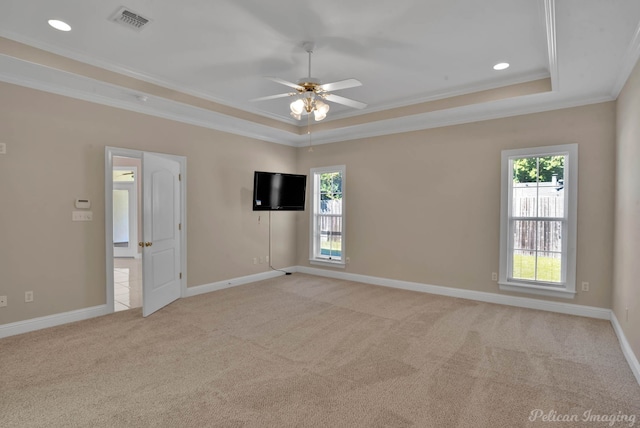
(540, 290)
(328, 263)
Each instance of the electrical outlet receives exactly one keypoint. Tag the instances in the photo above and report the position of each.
(255, 261)
(585, 286)
(28, 296)
(261, 260)
(3, 301)
(348, 260)
(494, 276)
(3, 148)
(266, 259)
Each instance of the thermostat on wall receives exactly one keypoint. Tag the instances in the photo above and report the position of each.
(83, 203)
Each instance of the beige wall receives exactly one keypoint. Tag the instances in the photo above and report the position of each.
(626, 290)
(421, 206)
(55, 154)
(424, 206)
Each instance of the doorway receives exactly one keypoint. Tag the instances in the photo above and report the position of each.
(127, 256)
(141, 189)
(125, 207)
(127, 283)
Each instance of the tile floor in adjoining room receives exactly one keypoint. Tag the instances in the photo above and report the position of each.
(127, 282)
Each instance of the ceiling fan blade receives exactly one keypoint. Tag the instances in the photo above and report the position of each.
(342, 84)
(286, 83)
(344, 101)
(272, 97)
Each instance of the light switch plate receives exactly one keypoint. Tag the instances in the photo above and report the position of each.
(82, 216)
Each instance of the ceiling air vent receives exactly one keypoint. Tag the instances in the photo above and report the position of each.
(129, 19)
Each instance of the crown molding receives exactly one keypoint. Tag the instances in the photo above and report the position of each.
(135, 74)
(628, 63)
(457, 116)
(35, 76)
(550, 26)
(455, 92)
(144, 77)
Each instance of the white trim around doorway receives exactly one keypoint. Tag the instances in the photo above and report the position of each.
(109, 153)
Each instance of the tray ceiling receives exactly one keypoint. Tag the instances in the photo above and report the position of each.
(201, 62)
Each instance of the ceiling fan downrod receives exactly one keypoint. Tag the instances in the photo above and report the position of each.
(308, 46)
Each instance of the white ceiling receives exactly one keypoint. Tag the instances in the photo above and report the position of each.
(404, 52)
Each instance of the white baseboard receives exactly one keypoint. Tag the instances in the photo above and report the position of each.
(234, 282)
(626, 348)
(26, 326)
(522, 302)
(501, 299)
(34, 324)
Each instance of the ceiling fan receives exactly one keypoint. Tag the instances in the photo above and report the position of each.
(310, 93)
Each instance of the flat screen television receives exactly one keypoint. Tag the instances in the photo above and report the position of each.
(273, 191)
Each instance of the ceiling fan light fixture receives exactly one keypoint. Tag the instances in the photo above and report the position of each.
(311, 94)
(322, 107)
(297, 107)
(318, 115)
(320, 110)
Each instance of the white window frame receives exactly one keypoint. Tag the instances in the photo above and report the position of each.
(314, 257)
(566, 289)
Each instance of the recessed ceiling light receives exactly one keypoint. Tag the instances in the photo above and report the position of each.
(59, 25)
(501, 66)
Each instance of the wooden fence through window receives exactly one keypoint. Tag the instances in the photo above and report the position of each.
(538, 235)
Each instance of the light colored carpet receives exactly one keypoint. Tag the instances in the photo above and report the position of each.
(305, 351)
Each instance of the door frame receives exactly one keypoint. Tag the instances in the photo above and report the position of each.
(109, 153)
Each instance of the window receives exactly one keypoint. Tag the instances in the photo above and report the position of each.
(538, 220)
(327, 216)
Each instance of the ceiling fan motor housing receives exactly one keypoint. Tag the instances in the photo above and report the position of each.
(310, 84)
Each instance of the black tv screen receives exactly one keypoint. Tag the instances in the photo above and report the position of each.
(276, 191)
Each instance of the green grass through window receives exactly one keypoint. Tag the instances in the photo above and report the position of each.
(333, 248)
(549, 268)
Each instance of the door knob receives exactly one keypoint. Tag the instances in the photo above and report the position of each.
(148, 244)
(140, 244)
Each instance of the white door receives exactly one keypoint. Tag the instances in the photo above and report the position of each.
(161, 232)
